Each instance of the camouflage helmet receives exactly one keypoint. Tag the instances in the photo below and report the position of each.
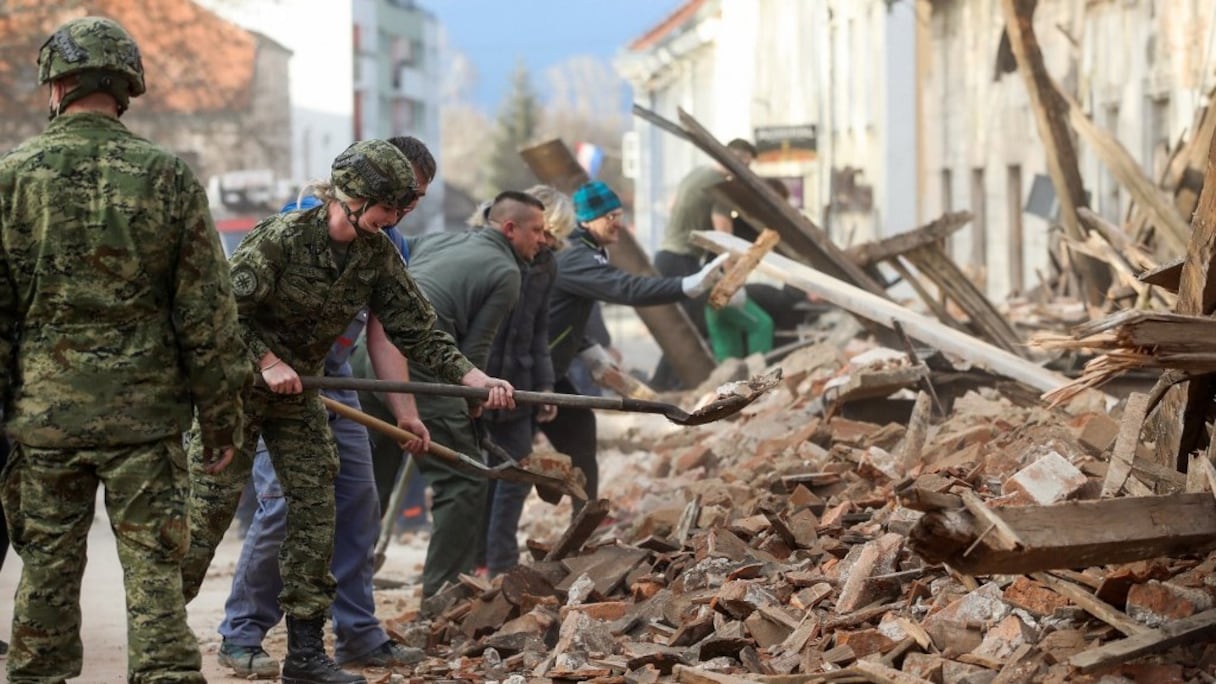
(93, 44)
(375, 170)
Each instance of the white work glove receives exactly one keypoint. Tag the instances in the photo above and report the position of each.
(699, 283)
(596, 358)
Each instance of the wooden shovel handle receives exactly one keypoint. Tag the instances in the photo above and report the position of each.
(386, 427)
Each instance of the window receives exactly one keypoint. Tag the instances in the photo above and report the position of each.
(1109, 188)
(1156, 135)
(404, 115)
(979, 224)
(1013, 199)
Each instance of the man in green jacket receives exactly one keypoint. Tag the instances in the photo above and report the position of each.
(472, 279)
(117, 322)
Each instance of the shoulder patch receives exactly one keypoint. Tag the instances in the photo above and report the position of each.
(244, 282)
(367, 276)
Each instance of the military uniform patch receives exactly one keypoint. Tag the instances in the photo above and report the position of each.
(244, 282)
(367, 276)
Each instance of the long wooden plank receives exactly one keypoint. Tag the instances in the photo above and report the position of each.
(1077, 534)
(887, 248)
(1091, 604)
(1050, 114)
(1123, 454)
(1173, 228)
(884, 312)
(828, 257)
(881, 674)
(931, 262)
(1196, 296)
(1193, 628)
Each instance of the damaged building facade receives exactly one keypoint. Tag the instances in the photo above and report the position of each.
(917, 109)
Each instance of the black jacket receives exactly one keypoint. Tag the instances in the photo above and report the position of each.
(520, 354)
(584, 276)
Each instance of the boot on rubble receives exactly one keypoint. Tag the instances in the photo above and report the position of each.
(306, 661)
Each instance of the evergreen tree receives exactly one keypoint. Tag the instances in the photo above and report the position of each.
(515, 128)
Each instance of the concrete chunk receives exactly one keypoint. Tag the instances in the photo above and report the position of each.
(1050, 479)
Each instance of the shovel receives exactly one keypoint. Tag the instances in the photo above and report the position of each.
(728, 400)
(510, 471)
(389, 519)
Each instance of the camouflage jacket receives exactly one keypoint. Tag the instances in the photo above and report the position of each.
(294, 301)
(116, 309)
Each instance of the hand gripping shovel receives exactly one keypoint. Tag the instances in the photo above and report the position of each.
(510, 471)
(728, 400)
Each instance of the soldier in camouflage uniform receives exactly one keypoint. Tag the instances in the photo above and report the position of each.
(299, 279)
(117, 321)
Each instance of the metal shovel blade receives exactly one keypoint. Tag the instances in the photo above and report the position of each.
(729, 399)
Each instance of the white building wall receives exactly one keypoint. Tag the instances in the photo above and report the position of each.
(743, 64)
(1139, 67)
(321, 64)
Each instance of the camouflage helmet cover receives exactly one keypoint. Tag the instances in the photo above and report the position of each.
(91, 44)
(375, 170)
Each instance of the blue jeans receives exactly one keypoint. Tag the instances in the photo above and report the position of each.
(252, 607)
(507, 498)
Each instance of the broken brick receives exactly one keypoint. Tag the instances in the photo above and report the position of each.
(1154, 603)
(1050, 479)
(1029, 595)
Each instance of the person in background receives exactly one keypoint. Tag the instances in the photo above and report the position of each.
(585, 277)
(472, 280)
(117, 323)
(300, 278)
(252, 607)
(520, 355)
(694, 208)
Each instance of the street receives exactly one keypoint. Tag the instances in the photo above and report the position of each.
(104, 607)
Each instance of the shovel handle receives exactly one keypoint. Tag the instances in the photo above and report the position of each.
(460, 391)
(387, 428)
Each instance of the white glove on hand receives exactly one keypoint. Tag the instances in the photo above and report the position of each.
(596, 358)
(699, 283)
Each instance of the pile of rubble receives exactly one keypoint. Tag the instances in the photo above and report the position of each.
(789, 545)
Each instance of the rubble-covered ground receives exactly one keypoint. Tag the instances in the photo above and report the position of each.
(771, 547)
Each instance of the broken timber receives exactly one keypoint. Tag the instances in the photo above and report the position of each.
(670, 326)
(884, 312)
(1196, 296)
(796, 229)
(1193, 628)
(1075, 534)
(736, 276)
(1050, 113)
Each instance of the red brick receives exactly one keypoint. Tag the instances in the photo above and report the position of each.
(865, 642)
(696, 456)
(1033, 597)
(927, 667)
(877, 557)
(1006, 637)
(1155, 603)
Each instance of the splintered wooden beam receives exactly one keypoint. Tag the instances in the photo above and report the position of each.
(1051, 116)
(736, 275)
(1173, 633)
(1123, 455)
(1076, 534)
(897, 245)
(885, 312)
(1174, 229)
(1182, 414)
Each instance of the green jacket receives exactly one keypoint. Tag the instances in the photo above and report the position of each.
(293, 300)
(472, 278)
(116, 311)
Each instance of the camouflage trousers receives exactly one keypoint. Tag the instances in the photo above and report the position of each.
(49, 497)
(296, 432)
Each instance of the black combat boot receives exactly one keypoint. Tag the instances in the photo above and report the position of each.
(306, 661)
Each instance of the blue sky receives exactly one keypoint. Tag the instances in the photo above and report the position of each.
(494, 34)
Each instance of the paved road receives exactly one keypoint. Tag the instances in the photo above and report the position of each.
(103, 603)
